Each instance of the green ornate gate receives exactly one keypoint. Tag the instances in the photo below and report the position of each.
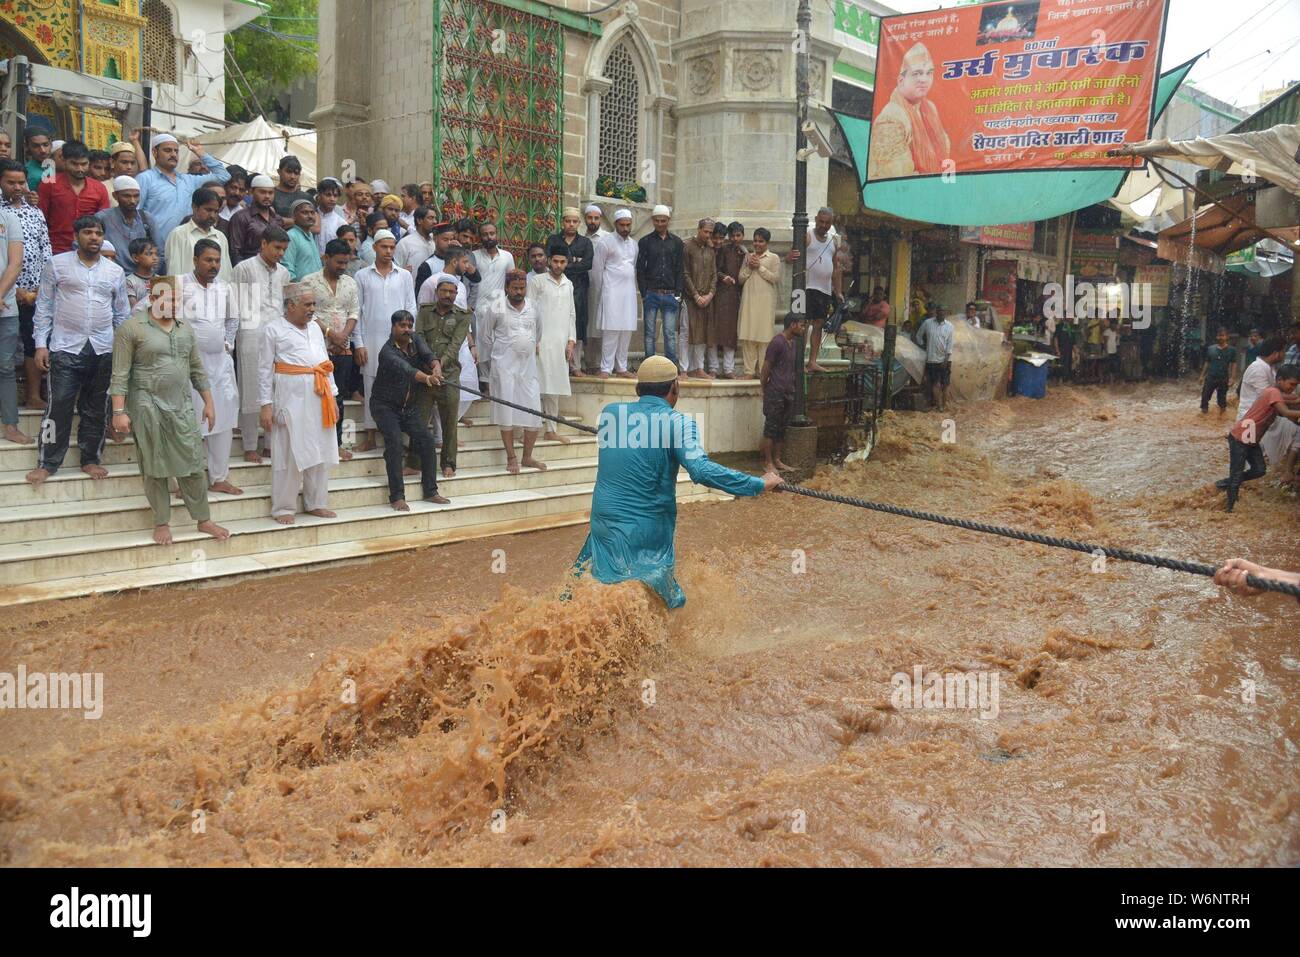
(498, 118)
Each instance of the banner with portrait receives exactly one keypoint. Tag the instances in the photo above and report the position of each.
(1014, 85)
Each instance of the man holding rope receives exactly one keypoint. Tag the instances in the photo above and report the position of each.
(634, 507)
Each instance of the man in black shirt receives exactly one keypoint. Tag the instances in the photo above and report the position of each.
(286, 191)
(660, 274)
(579, 272)
(406, 364)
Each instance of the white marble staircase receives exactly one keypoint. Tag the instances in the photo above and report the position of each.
(78, 536)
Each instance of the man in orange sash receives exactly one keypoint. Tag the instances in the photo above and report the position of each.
(298, 407)
(908, 138)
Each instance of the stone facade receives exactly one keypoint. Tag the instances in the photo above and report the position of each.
(716, 133)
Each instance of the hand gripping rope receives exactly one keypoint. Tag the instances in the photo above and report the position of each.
(1119, 554)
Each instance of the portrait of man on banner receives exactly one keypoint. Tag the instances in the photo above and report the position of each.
(908, 135)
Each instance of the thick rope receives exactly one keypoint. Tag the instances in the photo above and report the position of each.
(1119, 554)
(523, 408)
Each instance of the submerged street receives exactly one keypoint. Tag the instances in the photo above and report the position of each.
(422, 709)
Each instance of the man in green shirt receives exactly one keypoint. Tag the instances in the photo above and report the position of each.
(303, 255)
(444, 328)
(1220, 369)
(37, 149)
(155, 362)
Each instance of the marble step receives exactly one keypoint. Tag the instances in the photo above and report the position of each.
(71, 484)
(49, 520)
(14, 456)
(44, 561)
(239, 566)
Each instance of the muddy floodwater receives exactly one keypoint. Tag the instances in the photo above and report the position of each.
(428, 709)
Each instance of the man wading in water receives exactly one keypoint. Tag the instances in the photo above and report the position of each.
(634, 507)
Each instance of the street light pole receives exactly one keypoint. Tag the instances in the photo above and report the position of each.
(799, 222)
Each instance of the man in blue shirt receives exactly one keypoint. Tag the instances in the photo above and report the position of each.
(166, 194)
(634, 508)
(935, 337)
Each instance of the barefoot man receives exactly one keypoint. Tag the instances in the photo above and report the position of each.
(552, 296)
(298, 407)
(207, 304)
(511, 336)
(259, 283)
(81, 301)
(634, 508)
(156, 361)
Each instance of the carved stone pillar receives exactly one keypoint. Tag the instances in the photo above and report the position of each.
(736, 112)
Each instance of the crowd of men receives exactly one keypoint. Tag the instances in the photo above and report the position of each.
(176, 305)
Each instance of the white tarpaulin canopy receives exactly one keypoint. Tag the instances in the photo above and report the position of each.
(258, 146)
(1268, 154)
(1144, 195)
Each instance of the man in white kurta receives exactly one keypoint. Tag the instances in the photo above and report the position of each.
(259, 300)
(551, 294)
(298, 408)
(593, 216)
(492, 263)
(385, 288)
(511, 336)
(207, 304)
(613, 275)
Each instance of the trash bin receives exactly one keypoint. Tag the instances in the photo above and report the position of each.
(1030, 380)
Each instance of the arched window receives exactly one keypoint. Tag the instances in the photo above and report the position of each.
(159, 42)
(620, 118)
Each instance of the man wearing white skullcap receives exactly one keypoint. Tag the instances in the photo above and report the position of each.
(384, 288)
(593, 216)
(248, 224)
(660, 275)
(578, 253)
(633, 522)
(166, 194)
(613, 276)
(126, 221)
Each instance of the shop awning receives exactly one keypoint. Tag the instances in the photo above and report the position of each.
(1220, 229)
(990, 199)
(1272, 154)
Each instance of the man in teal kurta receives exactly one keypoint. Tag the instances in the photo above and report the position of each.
(155, 362)
(303, 255)
(634, 508)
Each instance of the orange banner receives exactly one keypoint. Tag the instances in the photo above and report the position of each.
(1043, 84)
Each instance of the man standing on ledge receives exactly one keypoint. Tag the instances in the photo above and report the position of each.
(634, 507)
(614, 277)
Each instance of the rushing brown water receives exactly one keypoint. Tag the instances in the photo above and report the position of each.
(422, 709)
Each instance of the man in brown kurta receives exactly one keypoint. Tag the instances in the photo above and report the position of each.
(726, 304)
(701, 269)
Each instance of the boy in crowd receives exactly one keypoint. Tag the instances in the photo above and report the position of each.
(1219, 370)
(143, 255)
